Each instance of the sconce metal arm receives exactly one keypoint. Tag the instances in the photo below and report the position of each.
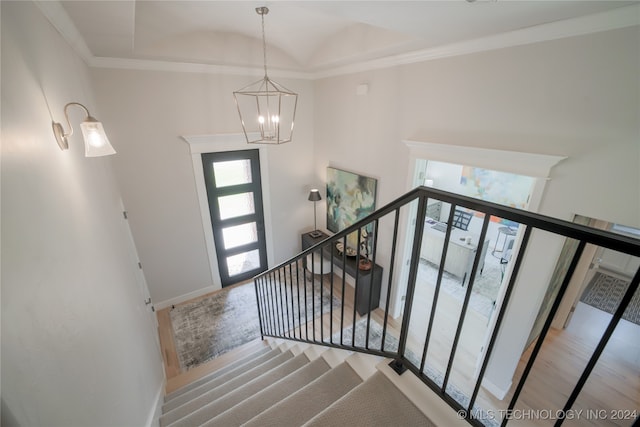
(58, 130)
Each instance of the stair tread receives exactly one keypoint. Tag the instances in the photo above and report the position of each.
(374, 403)
(208, 377)
(310, 400)
(263, 400)
(218, 380)
(239, 394)
(215, 393)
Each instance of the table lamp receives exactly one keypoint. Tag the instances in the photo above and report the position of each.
(314, 196)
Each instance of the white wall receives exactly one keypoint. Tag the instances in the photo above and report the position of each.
(147, 113)
(78, 346)
(576, 97)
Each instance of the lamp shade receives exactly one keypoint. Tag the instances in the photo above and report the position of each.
(314, 195)
(96, 142)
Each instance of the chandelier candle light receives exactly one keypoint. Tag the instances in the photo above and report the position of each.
(267, 109)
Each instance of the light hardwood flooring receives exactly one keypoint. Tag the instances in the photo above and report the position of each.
(614, 384)
(613, 387)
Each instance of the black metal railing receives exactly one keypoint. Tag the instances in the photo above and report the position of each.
(327, 294)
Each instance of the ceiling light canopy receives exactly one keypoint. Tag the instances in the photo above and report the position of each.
(267, 109)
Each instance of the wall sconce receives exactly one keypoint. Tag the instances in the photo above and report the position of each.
(314, 196)
(96, 142)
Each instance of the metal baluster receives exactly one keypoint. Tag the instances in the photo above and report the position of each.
(465, 304)
(344, 280)
(398, 364)
(391, 264)
(501, 313)
(355, 296)
(306, 306)
(371, 278)
(320, 280)
(331, 297)
(436, 293)
(313, 295)
(298, 296)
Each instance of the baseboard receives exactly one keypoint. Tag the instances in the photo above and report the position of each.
(153, 420)
(186, 297)
(498, 392)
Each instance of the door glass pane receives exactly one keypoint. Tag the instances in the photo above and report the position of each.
(243, 262)
(239, 235)
(233, 172)
(236, 205)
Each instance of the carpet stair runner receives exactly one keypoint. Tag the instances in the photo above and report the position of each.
(294, 384)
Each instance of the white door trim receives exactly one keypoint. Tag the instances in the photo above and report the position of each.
(530, 164)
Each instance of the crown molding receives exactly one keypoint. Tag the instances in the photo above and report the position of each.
(59, 18)
(192, 67)
(622, 17)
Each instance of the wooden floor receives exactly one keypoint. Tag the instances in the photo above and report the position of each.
(612, 390)
(613, 387)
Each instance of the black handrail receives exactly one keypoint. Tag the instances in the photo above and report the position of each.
(280, 303)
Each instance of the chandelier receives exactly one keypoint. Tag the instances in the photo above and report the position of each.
(267, 109)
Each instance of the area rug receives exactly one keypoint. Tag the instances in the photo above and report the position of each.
(360, 338)
(211, 326)
(605, 292)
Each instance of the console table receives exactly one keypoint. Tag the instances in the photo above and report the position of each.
(369, 281)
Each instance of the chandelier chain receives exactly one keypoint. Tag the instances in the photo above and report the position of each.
(264, 46)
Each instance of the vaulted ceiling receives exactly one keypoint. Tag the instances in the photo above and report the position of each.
(309, 36)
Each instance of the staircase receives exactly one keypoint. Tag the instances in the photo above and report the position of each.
(307, 375)
(284, 383)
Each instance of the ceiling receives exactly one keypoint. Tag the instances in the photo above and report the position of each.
(308, 36)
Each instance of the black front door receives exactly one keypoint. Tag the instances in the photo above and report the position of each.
(234, 191)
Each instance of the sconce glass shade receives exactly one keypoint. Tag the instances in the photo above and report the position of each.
(314, 195)
(96, 142)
